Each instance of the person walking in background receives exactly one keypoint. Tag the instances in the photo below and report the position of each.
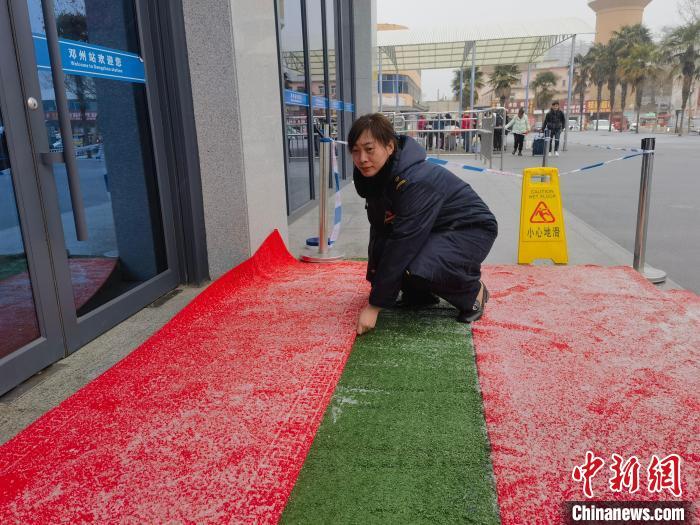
(441, 134)
(432, 125)
(449, 139)
(466, 137)
(554, 122)
(520, 126)
(421, 129)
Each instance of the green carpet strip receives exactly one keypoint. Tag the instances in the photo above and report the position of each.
(403, 439)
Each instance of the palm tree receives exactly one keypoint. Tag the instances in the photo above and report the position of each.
(681, 49)
(599, 74)
(611, 66)
(466, 88)
(543, 84)
(582, 75)
(628, 37)
(637, 67)
(502, 80)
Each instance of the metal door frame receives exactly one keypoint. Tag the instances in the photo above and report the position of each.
(79, 331)
(26, 361)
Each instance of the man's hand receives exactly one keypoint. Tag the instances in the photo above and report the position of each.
(367, 319)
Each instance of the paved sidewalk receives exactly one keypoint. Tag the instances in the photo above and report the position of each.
(502, 194)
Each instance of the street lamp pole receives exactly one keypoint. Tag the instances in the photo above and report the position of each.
(568, 96)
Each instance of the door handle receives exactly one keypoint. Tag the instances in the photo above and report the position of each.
(76, 196)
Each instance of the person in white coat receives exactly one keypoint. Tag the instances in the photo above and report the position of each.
(521, 126)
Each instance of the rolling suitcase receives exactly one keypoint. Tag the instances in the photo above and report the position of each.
(538, 146)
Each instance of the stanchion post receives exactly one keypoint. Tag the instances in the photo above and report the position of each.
(568, 94)
(381, 79)
(640, 241)
(493, 139)
(545, 153)
(324, 168)
(503, 136)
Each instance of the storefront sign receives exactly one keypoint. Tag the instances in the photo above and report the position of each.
(591, 106)
(79, 58)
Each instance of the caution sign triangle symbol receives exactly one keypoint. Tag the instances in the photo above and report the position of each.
(542, 214)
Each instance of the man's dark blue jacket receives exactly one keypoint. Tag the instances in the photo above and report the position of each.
(407, 201)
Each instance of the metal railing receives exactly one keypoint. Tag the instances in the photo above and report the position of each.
(297, 135)
(471, 133)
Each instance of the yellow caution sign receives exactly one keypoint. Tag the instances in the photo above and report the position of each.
(542, 233)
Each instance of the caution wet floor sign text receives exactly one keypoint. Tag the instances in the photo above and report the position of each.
(542, 233)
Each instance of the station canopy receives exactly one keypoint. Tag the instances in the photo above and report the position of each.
(448, 47)
(451, 47)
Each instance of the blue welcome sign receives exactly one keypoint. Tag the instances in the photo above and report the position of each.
(319, 102)
(87, 60)
(295, 98)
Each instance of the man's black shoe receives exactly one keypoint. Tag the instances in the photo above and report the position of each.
(477, 310)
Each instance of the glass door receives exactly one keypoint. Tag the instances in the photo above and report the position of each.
(30, 330)
(106, 198)
(94, 134)
(18, 317)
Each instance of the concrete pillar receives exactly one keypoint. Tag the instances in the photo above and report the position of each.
(232, 47)
(527, 89)
(366, 76)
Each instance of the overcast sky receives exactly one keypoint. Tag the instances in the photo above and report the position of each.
(431, 13)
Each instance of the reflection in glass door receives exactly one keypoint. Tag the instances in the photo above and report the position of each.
(18, 319)
(296, 102)
(105, 86)
(84, 192)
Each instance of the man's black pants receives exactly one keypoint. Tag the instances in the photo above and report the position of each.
(554, 135)
(450, 273)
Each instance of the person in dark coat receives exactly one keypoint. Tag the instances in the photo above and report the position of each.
(441, 135)
(498, 132)
(429, 230)
(554, 122)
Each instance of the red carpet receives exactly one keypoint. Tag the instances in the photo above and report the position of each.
(18, 323)
(208, 421)
(586, 358)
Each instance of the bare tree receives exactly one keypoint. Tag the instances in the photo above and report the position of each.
(689, 10)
